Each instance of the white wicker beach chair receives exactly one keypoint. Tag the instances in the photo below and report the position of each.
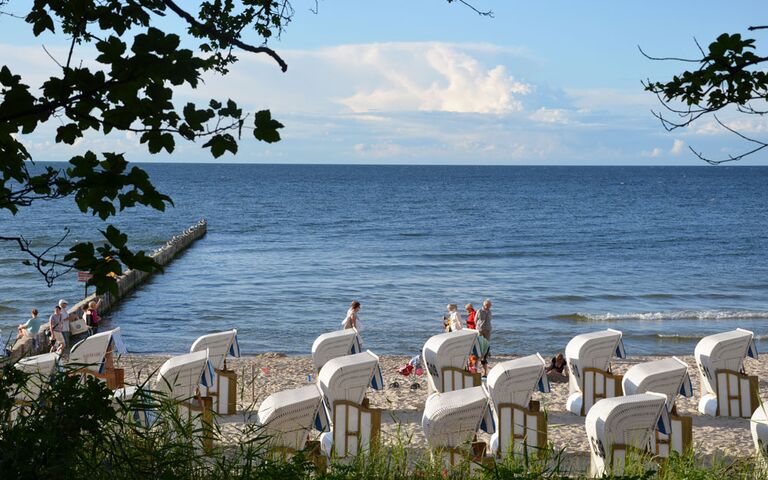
(343, 382)
(450, 422)
(521, 426)
(446, 355)
(726, 390)
(616, 425)
(95, 357)
(180, 379)
(334, 344)
(289, 416)
(670, 377)
(759, 426)
(40, 369)
(223, 392)
(589, 359)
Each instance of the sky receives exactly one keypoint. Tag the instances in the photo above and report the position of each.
(428, 82)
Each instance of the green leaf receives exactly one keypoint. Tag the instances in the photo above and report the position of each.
(220, 144)
(265, 127)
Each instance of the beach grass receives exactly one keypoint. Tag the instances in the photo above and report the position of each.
(76, 430)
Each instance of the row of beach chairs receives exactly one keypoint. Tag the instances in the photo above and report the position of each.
(633, 411)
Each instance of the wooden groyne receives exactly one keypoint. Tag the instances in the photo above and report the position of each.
(133, 278)
(125, 283)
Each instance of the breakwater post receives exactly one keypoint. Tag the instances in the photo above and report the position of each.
(133, 278)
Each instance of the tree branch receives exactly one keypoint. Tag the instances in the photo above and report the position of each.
(488, 13)
(213, 33)
(47, 267)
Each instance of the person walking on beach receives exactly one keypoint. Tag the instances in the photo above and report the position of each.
(59, 325)
(470, 316)
(483, 322)
(453, 319)
(352, 320)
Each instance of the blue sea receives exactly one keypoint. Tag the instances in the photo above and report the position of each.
(665, 254)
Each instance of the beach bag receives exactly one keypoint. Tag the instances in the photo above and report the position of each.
(78, 326)
(484, 344)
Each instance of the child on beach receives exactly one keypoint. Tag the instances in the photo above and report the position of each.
(452, 321)
(472, 364)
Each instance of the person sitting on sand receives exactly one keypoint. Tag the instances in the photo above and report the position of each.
(470, 316)
(472, 364)
(453, 319)
(352, 320)
(557, 371)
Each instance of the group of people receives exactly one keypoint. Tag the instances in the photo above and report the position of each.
(58, 326)
(479, 320)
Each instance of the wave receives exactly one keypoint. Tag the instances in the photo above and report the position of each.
(679, 338)
(7, 309)
(645, 296)
(669, 315)
(487, 255)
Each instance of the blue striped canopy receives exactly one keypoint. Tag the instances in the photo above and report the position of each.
(752, 350)
(620, 353)
(234, 348)
(206, 379)
(377, 380)
(663, 425)
(488, 424)
(686, 388)
(321, 419)
(544, 383)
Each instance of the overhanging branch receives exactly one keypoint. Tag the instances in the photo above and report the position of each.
(213, 33)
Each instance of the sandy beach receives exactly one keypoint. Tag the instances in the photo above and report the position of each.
(261, 375)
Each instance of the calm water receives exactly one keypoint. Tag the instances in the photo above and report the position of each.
(665, 254)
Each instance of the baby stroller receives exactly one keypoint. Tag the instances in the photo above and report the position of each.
(413, 367)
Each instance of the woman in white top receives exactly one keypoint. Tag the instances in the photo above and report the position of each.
(454, 318)
(352, 320)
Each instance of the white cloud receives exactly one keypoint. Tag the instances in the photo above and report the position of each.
(655, 153)
(550, 115)
(677, 147)
(428, 77)
(746, 126)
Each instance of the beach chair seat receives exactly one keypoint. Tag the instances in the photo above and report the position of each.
(670, 377)
(343, 382)
(445, 356)
(589, 359)
(288, 417)
(334, 344)
(180, 380)
(758, 424)
(223, 392)
(521, 427)
(94, 356)
(451, 421)
(40, 369)
(614, 426)
(726, 390)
